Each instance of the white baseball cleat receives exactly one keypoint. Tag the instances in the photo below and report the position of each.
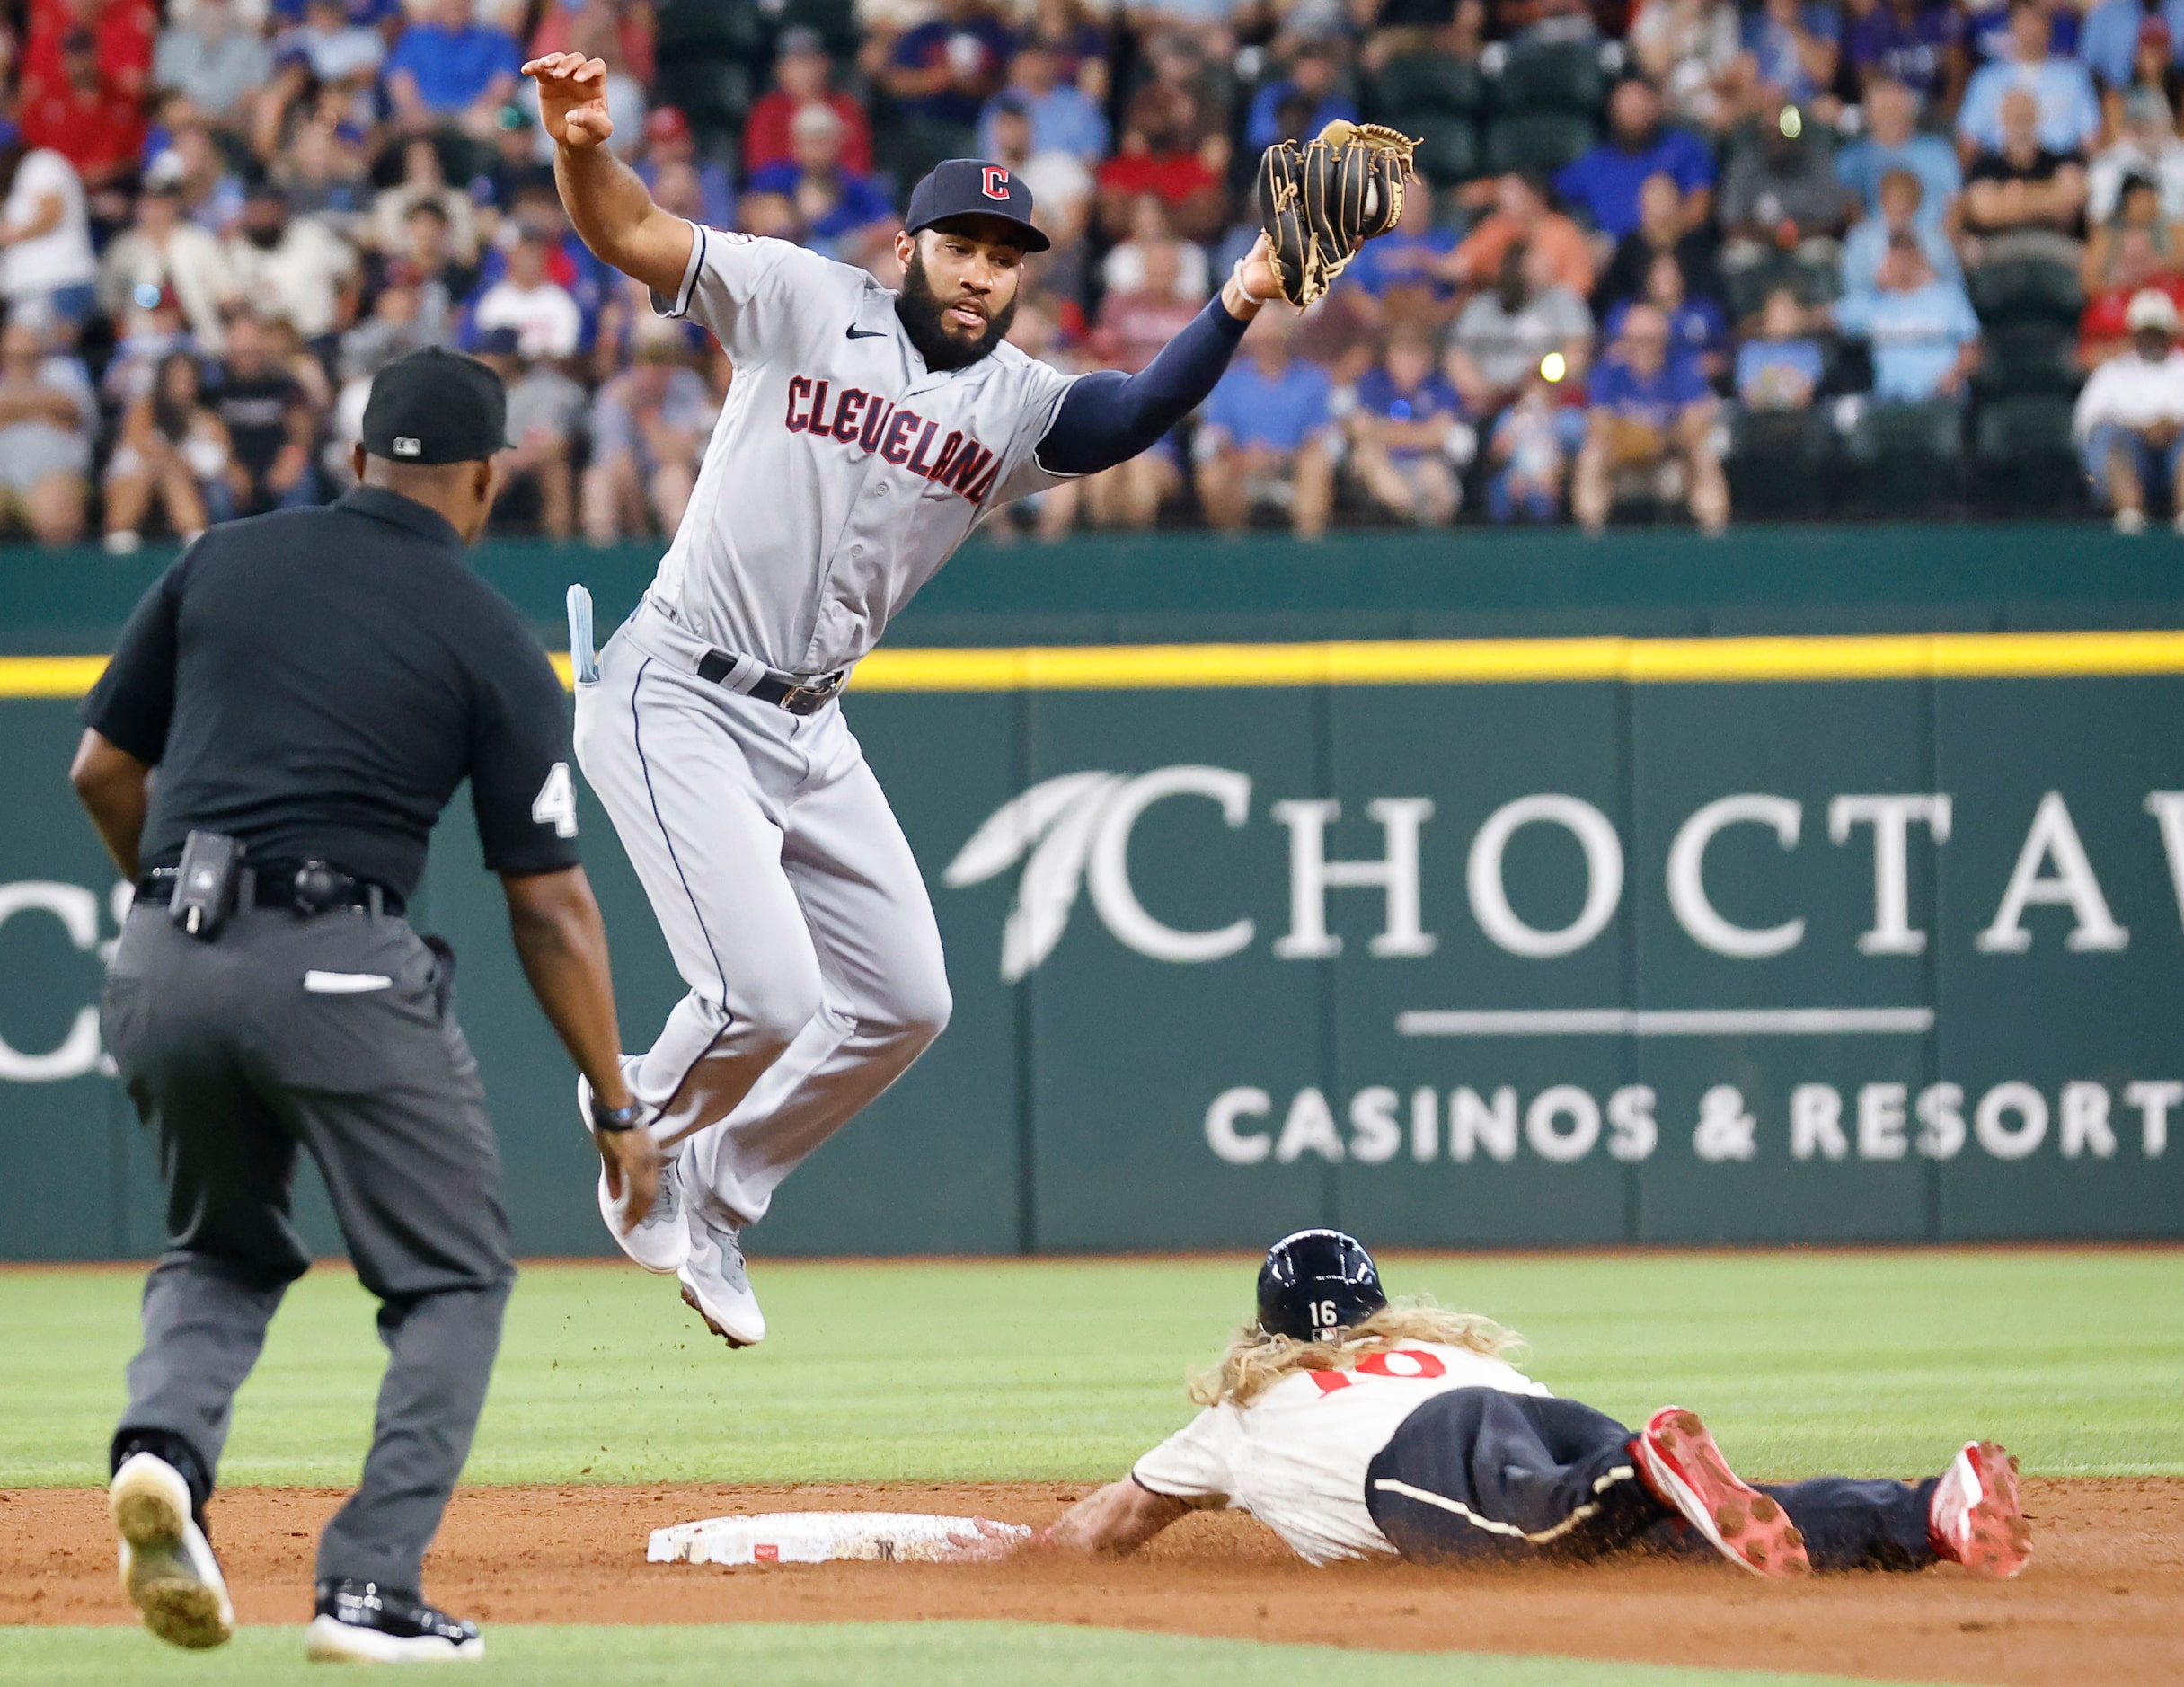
(1976, 1515)
(715, 1284)
(167, 1567)
(661, 1242)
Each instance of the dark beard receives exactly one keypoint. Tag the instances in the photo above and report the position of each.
(920, 311)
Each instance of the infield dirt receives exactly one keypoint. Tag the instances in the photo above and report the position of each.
(2103, 1600)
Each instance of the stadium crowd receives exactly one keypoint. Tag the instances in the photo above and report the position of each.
(1663, 256)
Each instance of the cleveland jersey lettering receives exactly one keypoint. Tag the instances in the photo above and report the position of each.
(864, 421)
(842, 472)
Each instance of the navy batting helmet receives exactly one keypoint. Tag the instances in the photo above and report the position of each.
(1317, 1283)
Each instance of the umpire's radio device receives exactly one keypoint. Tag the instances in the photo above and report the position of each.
(207, 882)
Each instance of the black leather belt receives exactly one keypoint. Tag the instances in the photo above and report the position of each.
(299, 887)
(799, 696)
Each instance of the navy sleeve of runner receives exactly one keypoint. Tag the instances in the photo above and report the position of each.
(1108, 418)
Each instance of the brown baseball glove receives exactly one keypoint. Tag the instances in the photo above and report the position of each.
(1319, 203)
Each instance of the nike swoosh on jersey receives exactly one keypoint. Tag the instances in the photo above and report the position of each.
(868, 333)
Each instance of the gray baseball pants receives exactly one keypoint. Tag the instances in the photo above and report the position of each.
(335, 1035)
(790, 901)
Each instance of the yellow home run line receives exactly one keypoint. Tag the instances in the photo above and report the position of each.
(1423, 662)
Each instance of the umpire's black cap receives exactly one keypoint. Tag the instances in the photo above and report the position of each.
(434, 406)
(970, 187)
(1316, 1285)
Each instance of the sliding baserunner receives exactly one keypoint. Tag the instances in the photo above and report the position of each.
(1359, 1429)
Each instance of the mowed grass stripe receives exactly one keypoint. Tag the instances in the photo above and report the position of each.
(797, 1655)
(1066, 1370)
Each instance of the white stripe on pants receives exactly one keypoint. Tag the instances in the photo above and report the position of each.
(789, 898)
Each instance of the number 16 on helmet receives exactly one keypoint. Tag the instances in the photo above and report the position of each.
(1316, 1285)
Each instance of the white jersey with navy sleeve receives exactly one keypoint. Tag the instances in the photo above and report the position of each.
(1296, 1456)
(842, 472)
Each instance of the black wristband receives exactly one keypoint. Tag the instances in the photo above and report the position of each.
(615, 1120)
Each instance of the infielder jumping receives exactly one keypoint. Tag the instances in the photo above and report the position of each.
(865, 434)
(1356, 1429)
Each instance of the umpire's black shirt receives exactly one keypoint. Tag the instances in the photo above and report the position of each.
(316, 682)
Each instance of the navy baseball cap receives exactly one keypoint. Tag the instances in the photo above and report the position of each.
(435, 406)
(970, 187)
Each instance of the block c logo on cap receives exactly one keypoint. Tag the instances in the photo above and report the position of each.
(996, 183)
(405, 447)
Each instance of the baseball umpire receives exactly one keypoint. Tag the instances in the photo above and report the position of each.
(1355, 1428)
(311, 687)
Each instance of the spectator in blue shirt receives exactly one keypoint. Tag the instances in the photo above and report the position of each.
(1063, 119)
(1263, 435)
(828, 207)
(1696, 326)
(945, 71)
(1313, 74)
(1528, 453)
(371, 14)
(1924, 338)
(2107, 40)
(452, 69)
(2070, 112)
(1605, 180)
(1779, 367)
(1651, 420)
(1914, 42)
(1795, 48)
(668, 142)
(1893, 142)
(1902, 212)
(1404, 272)
(1408, 434)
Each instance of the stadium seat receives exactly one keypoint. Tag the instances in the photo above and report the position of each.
(1550, 76)
(1778, 462)
(708, 56)
(1447, 146)
(1541, 140)
(1909, 459)
(2024, 458)
(1816, 273)
(2028, 357)
(2021, 289)
(1414, 86)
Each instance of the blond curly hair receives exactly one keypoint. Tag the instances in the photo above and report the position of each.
(1256, 1360)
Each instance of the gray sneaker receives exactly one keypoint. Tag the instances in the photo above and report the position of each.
(661, 1240)
(715, 1284)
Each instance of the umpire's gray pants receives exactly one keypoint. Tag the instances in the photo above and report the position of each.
(335, 1033)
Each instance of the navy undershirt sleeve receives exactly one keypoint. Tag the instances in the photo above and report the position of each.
(1108, 418)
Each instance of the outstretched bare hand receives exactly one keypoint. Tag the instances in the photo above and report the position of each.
(572, 98)
(990, 1544)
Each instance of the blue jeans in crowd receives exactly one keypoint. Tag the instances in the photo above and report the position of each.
(2156, 465)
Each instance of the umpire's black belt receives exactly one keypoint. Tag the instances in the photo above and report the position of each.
(748, 676)
(300, 886)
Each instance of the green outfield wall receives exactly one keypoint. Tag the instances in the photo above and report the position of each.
(1525, 940)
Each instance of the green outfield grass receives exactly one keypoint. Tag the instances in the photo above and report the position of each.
(1066, 1370)
(795, 1655)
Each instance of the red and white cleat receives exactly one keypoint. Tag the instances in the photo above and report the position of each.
(1976, 1517)
(1679, 1462)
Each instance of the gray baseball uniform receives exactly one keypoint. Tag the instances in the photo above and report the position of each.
(840, 474)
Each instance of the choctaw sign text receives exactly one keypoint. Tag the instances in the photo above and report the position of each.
(1458, 964)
